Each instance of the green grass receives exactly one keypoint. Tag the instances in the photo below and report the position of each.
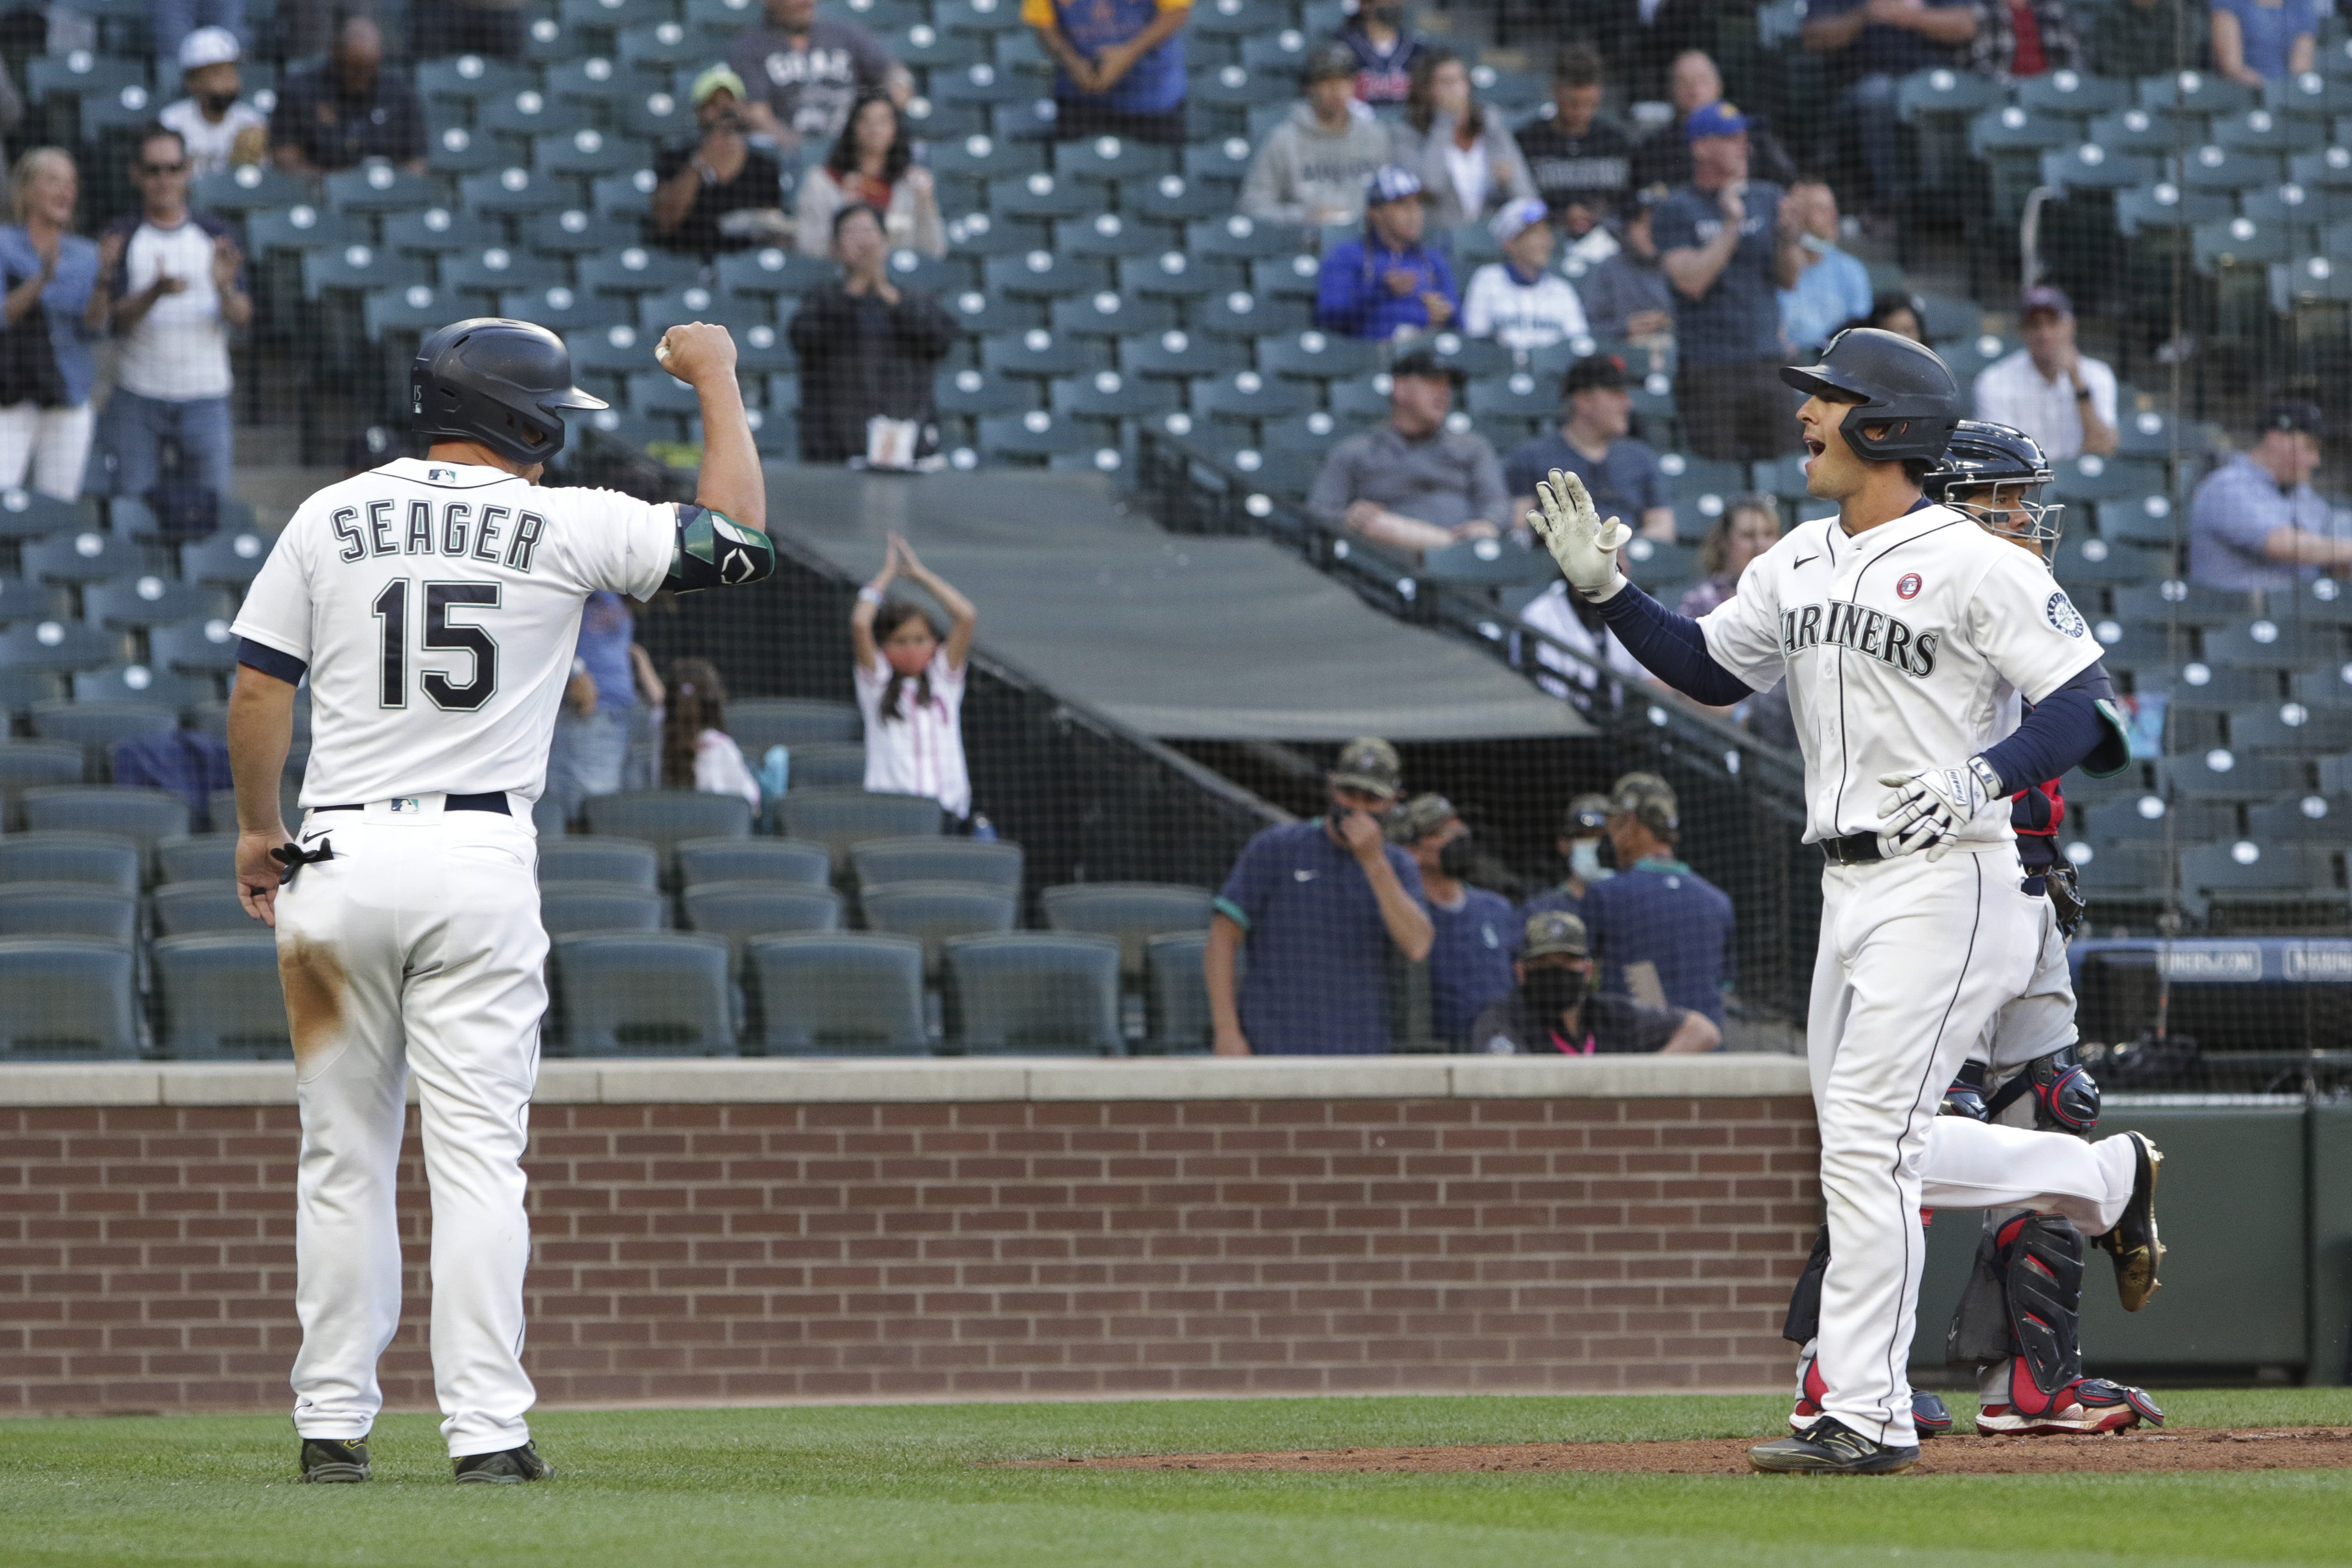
(866, 1488)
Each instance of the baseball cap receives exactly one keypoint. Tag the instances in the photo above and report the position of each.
(2045, 297)
(1586, 815)
(208, 47)
(1648, 800)
(1721, 117)
(1515, 218)
(1419, 818)
(1394, 184)
(1430, 364)
(1592, 371)
(1370, 765)
(712, 80)
(2299, 415)
(1554, 931)
(1328, 60)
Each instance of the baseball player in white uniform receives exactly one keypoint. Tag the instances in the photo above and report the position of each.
(433, 605)
(1895, 625)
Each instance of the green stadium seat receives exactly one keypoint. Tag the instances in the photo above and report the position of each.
(666, 43)
(429, 231)
(842, 818)
(1037, 352)
(2313, 688)
(1177, 1020)
(2247, 880)
(786, 861)
(1239, 313)
(1311, 434)
(2222, 773)
(142, 684)
(593, 857)
(930, 858)
(588, 152)
(49, 644)
(362, 269)
(198, 909)
(1108, 395)
(1034, 436)
(974, 394)
(1106, 313)
(197, 857)
(71, 909)
(596, 80)
(29, 514)
(2315, 818)
(935, 912)
(1180, 354)
(1248, 394)
(657, 392)
(836, 994)
(759, 723)
(741, 910)
(218, 995)
(381, 188)
(1179, 197)
(568, 907)
(2290, 644)
(612, 16)
(94, 859)
(1034, 992)
(2094, 167)
(2291, 729)
(772, 270)
(827, 764)
(2071, 92)
(2263, 131)
(2195, 93)
(644, 993)
(980, 83)
(84, 555)
(148, 600)
(248, 188)
(302, 226)
(66, 999)
(566, 312)
(1312, 354)
(668, 817)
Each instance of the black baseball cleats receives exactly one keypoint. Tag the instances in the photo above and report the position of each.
(325, 1460)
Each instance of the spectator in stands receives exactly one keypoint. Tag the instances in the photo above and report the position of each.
(1897, 314)
(1519, 301)
(1872, 45)
(1552, 1011)
(1411, 484)
(698, 753)
(171, 284)
(910, 684)
(348, 108)
(1314, 166)
(1749, 526)
(1582, 164)
(2050, 389)
(219, 128)
(2134, 38)
(1465, 157)
(869, 351)
(806, 72)
(173, 21)
(1118, 65)
(1380, 35)
(1663, 932)
(2259, 41)
(1474, 933)
(610, 676)
(2018, 38)
(1646, 38)
(1319, 904)
(1730, 247)
(50, 273)
(1662, 161)
(1833, 287)
(1583, 829)
(1387, 283)
(1627, 297)
(873, 161)
(721, 193)
(1594, 442)
(2255, 523)
(439, 28)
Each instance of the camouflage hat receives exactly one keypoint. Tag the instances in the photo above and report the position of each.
(1419, 818)
(1370, 765)
(1586, 815)
(1648, 800)
(1554, 931)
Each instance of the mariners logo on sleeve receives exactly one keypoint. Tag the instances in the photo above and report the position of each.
(2062, 615)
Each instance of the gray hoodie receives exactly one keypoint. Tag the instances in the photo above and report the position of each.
(1303, 166)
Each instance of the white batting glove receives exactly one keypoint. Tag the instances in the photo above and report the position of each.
(1929, 808)
(1585, 547)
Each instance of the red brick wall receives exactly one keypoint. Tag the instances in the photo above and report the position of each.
(773, 1251)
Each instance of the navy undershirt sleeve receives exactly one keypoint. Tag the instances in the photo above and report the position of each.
(1672, 648)
(2062, 731)
(271, 661)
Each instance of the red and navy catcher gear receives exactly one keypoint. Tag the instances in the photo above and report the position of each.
(2024, 1304)
(1905, 400)
(1982, 460)
(500, 383)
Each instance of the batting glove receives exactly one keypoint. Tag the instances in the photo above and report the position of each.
(1585, 547)
(1929, 808)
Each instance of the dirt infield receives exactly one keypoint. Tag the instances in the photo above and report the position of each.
(2181, 1448)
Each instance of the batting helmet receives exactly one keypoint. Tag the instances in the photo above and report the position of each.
(496, 381)
(1983, 456)
(1899, 389)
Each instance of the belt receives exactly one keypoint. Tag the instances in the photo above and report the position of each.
(1854, 849)
(494, 801)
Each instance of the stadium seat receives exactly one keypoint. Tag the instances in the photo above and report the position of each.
(2226, 688)
(249, 187)
(1037, 352)
(1179, 197)
(1132, 912)
(568, 232)
(68, 909)
(381, 188)
(1038, 195)
(836, 994)
(219, 997)
(1248, 395)
(1316, 355)
(302, 226)
(656, 993)
(2291, 729)
(2267, 642)
(1487, 563)
(2088, 562)
(31, 765)
(140, 683)
(841, 819)
(82, 556)
(2171, 600)
(667, 817)
(1032, 993)
(1108, 395)
(29, 514)
(66, 999)
(1173, 274)
(887, 862)
(759, 723)
(142, 815)
(741, 910)
(1034, 435)
(233, 559)
(637, 269)
(1267, 322)
(197, 857)
(1180, 354)
(822, 764)
(2163, 648)
(2193, 93)
(1176, 1017)
(2313, 688)
(189, 909)
(99, 727)
(587, 858)
(567, 907)
(2238, 884)
(786, 861)
(2317, 817)
(2222, 773)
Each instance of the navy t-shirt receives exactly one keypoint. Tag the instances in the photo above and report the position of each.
(1624, 483)
(1880, 49)
(1318, 949)
(1667, 915)
(1739, 317)
(1470, 961)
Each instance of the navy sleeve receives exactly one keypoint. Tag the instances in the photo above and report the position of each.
(271, 661)
(1242, 898)
(1672, 648)
(2065, 730)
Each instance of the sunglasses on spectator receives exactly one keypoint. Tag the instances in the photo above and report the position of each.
(180, 167)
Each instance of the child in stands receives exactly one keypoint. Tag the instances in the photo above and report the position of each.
(697, 753)
(910, 685)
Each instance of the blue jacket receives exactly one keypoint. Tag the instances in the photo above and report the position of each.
(1351, 296)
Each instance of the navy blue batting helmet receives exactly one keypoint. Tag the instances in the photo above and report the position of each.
(497, 382)
(1905, 399)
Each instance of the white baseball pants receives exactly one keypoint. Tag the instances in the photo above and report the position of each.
(416, 949)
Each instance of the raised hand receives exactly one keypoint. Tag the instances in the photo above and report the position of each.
(1584, 546)
(696, 351)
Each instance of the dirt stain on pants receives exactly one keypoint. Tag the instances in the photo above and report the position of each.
(313, 976)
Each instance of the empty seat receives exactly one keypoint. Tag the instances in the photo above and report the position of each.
(218, 994)
(836, 993)
(145, 817)
(839, 819)
(828, 765)
(2318, 817)
(2224, 774)
(569, 907)
(32, 765)
(654, 993)
(2294, 878)
(98, 859)
(99, 727)
(665, 818)
(66, 998)
(885, 862)
(1034, 992)
(1133, 912)
(766, 860)
(57, 645)
(68, 909)
(189, 909)
(2298, 643)
(740, 910)
(588, 857)
(1176, 1017)
(932, 912)
(2291, 728)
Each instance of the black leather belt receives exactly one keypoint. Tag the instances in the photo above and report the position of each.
(1854, 849)
(494, 801)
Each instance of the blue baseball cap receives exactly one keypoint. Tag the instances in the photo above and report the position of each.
(1721, 117)
(1394, 184)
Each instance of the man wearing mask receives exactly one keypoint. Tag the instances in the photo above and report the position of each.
(1582, 833)
(1553, 1011)
(1663, 931)
(1470, 960)
(218, 129)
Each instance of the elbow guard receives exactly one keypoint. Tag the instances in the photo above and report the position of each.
(714, 551)
(2113, 754)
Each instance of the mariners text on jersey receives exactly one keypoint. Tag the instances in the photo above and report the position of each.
(501, 535)
(1841, 623)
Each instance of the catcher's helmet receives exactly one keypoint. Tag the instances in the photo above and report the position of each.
(1902, 391)
(496, 381)
(1984, 456)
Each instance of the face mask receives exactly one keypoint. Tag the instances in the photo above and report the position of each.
(1455, 857)
(1552, 992)
(1584, 861)
(217, 103)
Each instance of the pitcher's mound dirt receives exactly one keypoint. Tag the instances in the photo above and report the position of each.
(2179, 1448)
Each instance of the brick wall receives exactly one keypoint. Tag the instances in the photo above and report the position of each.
(772, 1251)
